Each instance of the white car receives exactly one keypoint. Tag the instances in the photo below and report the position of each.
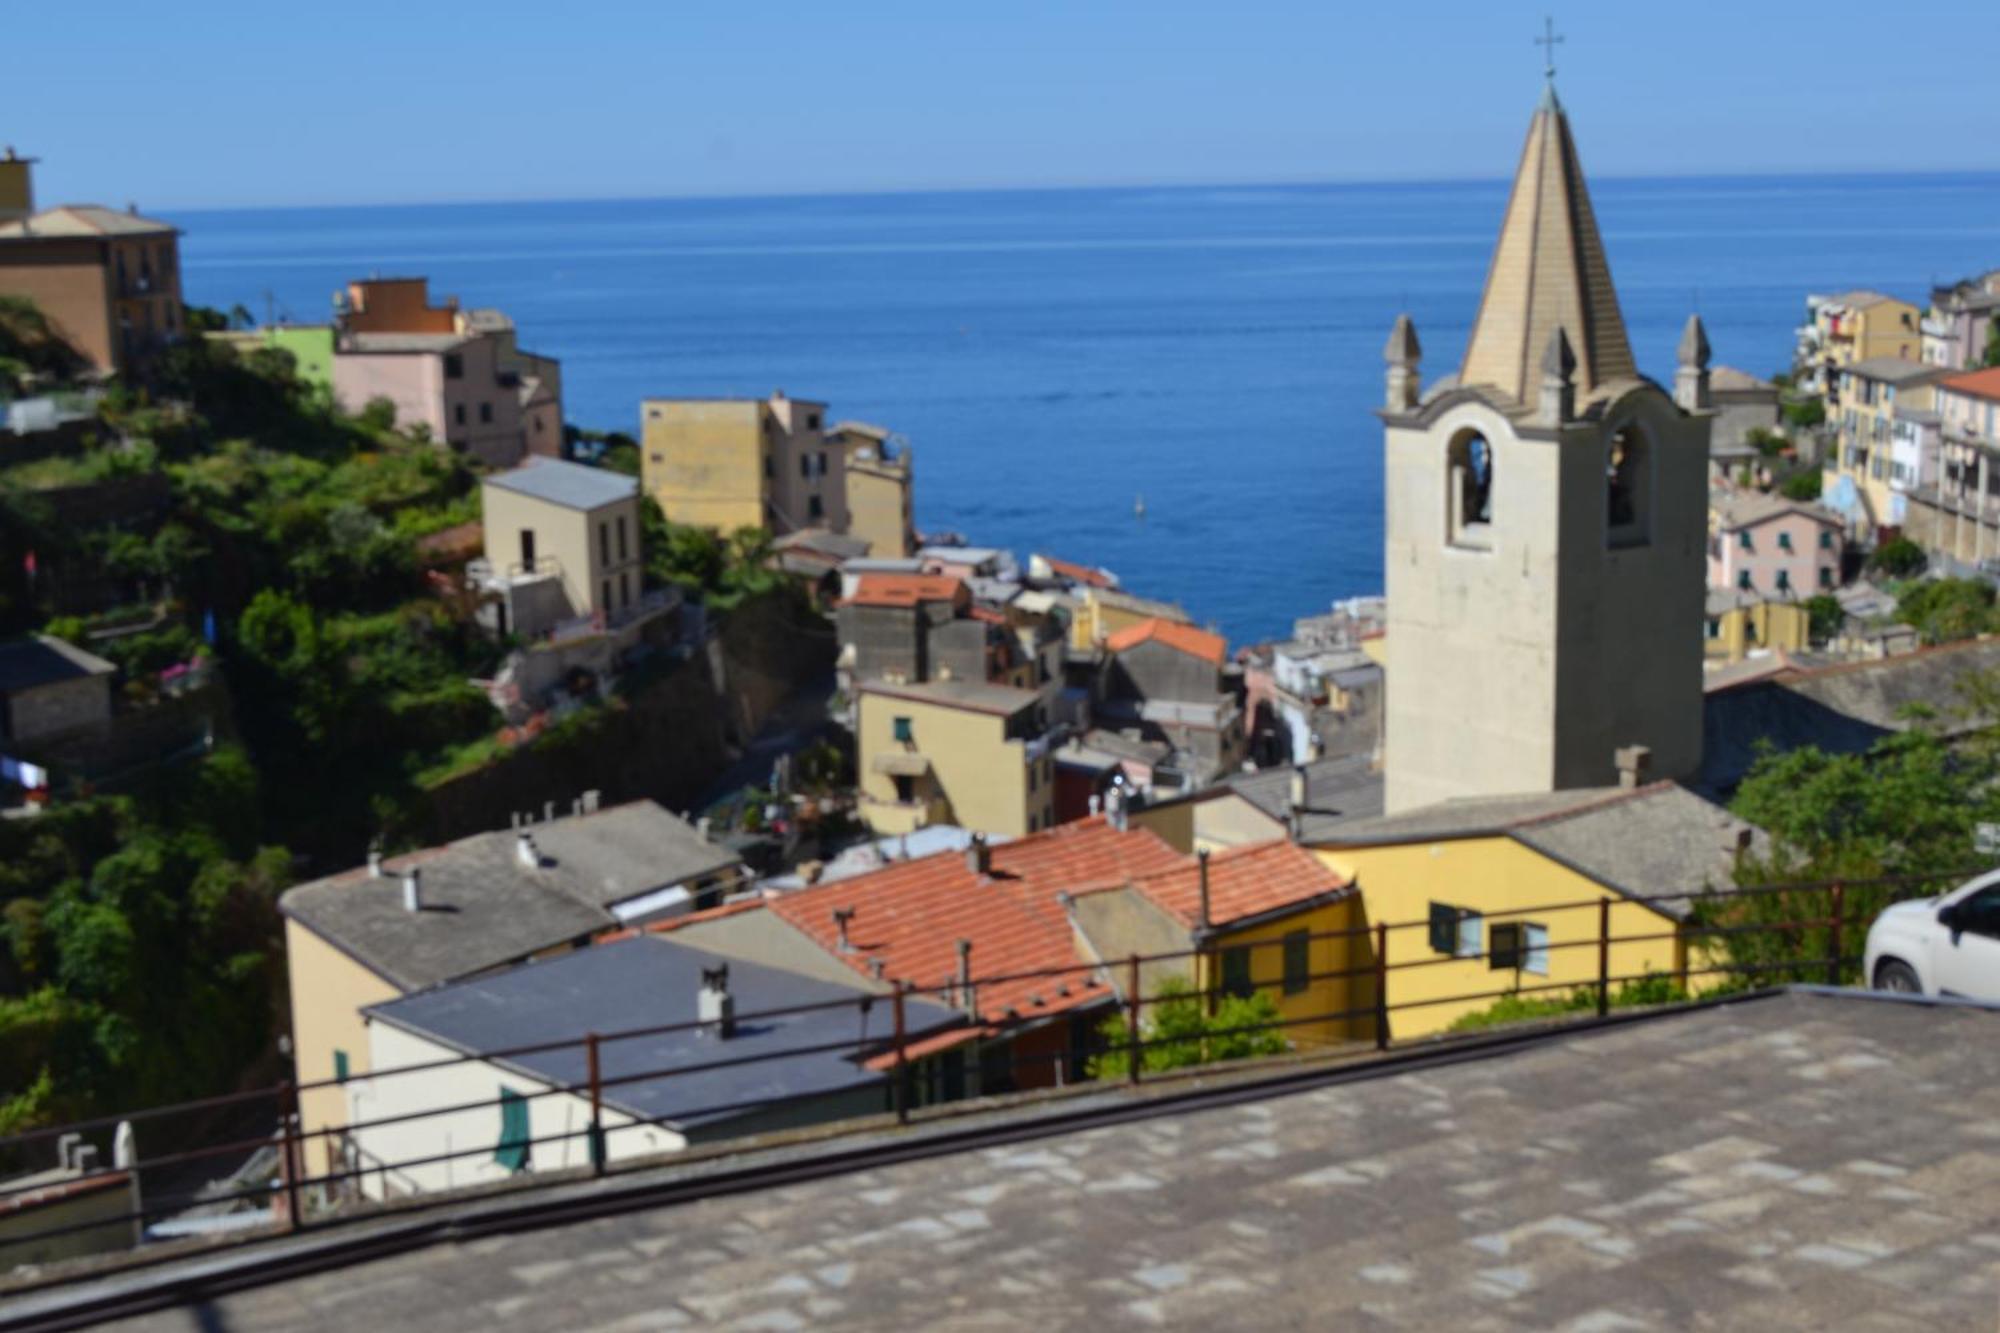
(1948, 945)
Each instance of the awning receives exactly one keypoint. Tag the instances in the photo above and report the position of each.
(901, 765)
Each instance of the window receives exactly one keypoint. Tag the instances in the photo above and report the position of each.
(454, 366)
(1471, 934)
(812, 421)
(906, 788)
(1743, 540)
(805, 465)
(1236, 971)
(339, 1066)
(1784, 541)
(1469, 459)
(458, 413)
(1826, 539)
(1628, 487)
(1714, 629)
(604, 595)
(603, 543)
(1825, 577)
(516, 1144)
(624, 588)
(1784, 580)
(1298, 961)
(1535, 949)
(527, 548)
(822, 463)
(905, 733)
(486, 413)
(1505, 954)
(1978, 915)
(814, 509)
(1743, 579)
(621, 537)
(1456, 931)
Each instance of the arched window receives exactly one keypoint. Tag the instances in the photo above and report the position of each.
(1470, 488)
(1628, 485)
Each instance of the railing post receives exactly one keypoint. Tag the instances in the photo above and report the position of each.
(902, 1088)
(1381, 985)
(1603, 957)
(596, 1139)
(288, 1113)
(1833, 935)
(1132, 998)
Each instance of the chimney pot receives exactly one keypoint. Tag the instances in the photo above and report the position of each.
(525, 852)
(715, 1006)
(413, 890)
(841, 916)
(979, 857)
(701, 827)
(548, 811)
(590, 800)
(1096, 802)
(374, 863)
(86, 1159)
(1633, 761)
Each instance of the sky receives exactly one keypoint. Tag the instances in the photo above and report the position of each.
(219, 103)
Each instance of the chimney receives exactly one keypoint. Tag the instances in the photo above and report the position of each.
(413, 890)
(715, 1006)
(374, 863)
(1296, 800)
(1632, 761)
(701, 827)
(66, 1147)
(841, 916)
(124, 1147)
(524, 851)
(966, 995)
(1096, 802)
(1201, 922)
(86, 1159)
(979, 855)
(1114, 808)
(590, 800)
(575, 806)
(877, 968)
(548, 812)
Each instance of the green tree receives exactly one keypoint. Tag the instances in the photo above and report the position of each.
(379, 414)
(1805, 413)
(1802, 485)
(1179, 1032)
(1826, 616)
(1899, 558)
(1992, 357)
(1947, 610)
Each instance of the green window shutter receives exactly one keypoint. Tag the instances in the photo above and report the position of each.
(1236, 971)
(1298, 961)
(515, 1136)
(1506, 950)
(905, 733)
(340, 1066)
(1444, 928)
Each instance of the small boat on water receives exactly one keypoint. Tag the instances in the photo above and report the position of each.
(1139, 507)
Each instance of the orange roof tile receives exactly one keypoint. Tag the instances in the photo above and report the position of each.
(912, 915)
(1978, 383)
(907, 589)
(1181, 638)
(1243, 882)
(1069, 569)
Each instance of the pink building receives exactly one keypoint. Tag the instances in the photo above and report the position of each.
(459, 374)
(1772, 546)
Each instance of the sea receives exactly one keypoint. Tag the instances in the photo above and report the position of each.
(1057, 357)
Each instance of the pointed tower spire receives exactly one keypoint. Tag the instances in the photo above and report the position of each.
(1558, 397)
(1549, 272)
(1403, 353)
(1691, 372)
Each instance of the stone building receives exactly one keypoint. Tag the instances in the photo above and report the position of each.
(1545, 522)
(49, 686)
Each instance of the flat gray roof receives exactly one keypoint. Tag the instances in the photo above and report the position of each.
(977, 695)
(575, 485)
(43, 659)
(482, 907)
(646, 981)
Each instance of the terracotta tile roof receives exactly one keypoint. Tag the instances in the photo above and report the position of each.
(1182, 638)
(1977, 383)
(1075, 573)
(1243, 882)
(907, 589)
(912, 915)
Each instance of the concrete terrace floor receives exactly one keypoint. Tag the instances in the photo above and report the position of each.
(1799, 1162)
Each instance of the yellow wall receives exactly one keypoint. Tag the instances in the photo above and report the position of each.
(1376, 647)
(329, 991)
(1326, 993)
(1785, 625)
(704, 462)
(1491, 875)
(982, 775)
(878, 507)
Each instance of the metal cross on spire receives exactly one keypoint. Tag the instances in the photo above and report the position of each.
(1549, 41)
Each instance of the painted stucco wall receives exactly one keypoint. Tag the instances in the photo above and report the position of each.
(1791, 552)
(704, 462)
(983, 775)
(329, 990)
(577, 540)
(67, 282)
(1336, 987)
(1729, 637)
(414, 382)
(879, 508)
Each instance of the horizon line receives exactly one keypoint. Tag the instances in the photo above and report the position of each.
(899, 191)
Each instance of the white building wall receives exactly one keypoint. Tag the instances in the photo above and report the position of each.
(474, 1132)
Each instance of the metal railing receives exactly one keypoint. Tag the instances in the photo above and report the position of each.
(1103, 1035)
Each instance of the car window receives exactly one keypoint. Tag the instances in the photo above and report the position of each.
(1980, 914)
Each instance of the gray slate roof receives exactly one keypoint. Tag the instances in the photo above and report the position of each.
(42, 659)
(483, 908)
(648, 980)
(574, 485)
(1339, 792)
(1655, 840)
(1895, 370)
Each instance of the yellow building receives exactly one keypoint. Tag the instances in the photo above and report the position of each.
(879, 508)
(742, 463)
(1886, 405)
(1852, 327)
(1266, 918)
(1487, 896)
(956, 751)
(562, 541)
(1099, 613)
(1740, 623)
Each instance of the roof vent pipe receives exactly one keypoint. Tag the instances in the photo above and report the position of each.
(701, 827)
(715, 1006)
(413, 890)
(548, 812)
(374, 863)
(979, 855)
(1096, 802)
(1632, 761)
(841, 916)
(966, 996)
(1201, 857)
(590, 800)
(524, 851)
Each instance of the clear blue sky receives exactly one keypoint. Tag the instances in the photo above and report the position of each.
(224, 103)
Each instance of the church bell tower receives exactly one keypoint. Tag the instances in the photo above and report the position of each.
(1546, 514)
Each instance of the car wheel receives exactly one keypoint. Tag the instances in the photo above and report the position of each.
(1898, 977)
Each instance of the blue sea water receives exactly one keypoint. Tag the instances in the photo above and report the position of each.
(1052, 355)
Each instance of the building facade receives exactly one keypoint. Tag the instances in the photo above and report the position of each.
(1771, 546)
(880, 505)
(1958, 327)
(726, 464)
(955, 752)
(1959, 514)
(1884, 435)
(1544, 520)
(1850, 327)
(562, 543)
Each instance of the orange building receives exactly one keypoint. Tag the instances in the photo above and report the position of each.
(109, 282)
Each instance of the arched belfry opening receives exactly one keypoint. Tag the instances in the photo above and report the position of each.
(1628, 486)
(1470, 488)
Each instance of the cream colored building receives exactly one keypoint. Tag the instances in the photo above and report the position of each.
(1878, 459)
(1545, 521)
(959, 752)
(562, 543)
(725, 463)
(879, 506)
